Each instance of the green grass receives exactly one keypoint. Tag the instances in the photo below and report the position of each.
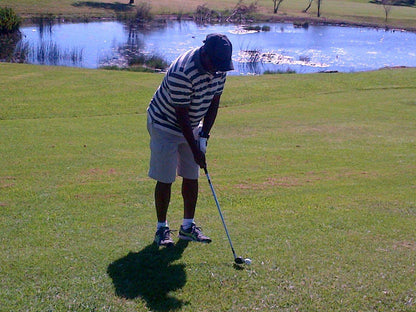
(354, 11)
(315, 175)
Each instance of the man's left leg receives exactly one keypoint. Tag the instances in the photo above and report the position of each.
(189, 231)
(190, 197)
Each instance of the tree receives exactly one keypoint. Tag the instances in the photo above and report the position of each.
(276, 4)
(319, 8)
(9, 21)
(309, 5)
(387, 5)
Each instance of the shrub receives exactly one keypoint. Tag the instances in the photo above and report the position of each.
(9, 21)
(242, 12)
(156, 62)
(8, 44)
(149, 61)
(204, 14)
(252, 28)
(143, 13)
(277, 72)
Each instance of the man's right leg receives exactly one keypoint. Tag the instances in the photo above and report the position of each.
(163, 163)
(162, 199)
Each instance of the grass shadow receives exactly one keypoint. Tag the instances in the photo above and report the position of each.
(150, 275)
(117, 6)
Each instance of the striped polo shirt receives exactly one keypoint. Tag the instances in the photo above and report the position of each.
(185, 84)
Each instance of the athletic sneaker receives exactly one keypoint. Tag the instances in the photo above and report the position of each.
(162, 237)
(194, 233)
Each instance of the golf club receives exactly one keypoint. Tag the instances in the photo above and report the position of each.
(237, 260)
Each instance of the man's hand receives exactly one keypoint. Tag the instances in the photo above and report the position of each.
(202, 144)
(200, 159)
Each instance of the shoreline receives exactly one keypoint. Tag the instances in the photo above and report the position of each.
(162, 18)
(334, 22)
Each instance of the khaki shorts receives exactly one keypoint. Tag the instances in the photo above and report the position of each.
(170, 155)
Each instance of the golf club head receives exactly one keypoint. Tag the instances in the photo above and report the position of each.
(239, 260)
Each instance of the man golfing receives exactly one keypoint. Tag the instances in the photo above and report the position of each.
(180, 117)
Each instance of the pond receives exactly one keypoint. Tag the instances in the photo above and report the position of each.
(274, 47)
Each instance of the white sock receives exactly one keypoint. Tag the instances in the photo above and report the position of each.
(187, 223)
(162, 224)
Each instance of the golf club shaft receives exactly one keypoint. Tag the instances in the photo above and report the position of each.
(219, 210)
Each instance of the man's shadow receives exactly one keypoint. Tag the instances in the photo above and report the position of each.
(150, 275)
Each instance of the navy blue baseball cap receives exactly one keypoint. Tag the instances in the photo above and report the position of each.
(219, 50)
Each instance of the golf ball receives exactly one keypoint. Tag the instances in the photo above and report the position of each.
(247, 261)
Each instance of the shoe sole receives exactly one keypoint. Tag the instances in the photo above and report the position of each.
(165, 245)
(191, 239)
(170, 244)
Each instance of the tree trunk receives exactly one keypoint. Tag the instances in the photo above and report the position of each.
(319, 8)
(277, 6)
(309, 5)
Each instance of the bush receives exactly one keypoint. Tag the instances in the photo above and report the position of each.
(151, 61)
(204, 14)
(9, 21)
(277, 72)
(143, 12)
(8, 43)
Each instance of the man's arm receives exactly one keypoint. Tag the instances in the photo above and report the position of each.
(211, 115)
(182, 115)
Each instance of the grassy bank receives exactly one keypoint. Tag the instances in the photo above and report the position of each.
(360, 12)
(315, 174)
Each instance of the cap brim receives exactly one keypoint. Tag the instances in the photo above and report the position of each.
(225, 66)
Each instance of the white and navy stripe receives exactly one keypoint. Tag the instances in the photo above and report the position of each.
(185, 84)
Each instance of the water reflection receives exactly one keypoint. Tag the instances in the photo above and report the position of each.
(124, 54)
(283, 47)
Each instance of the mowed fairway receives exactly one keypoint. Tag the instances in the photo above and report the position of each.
(315, 174)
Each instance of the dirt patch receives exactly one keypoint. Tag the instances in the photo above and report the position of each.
(271, 182)
(6, 182)
(99, 172)
(306, 178)
(411, 245)
(95, 196)
(97, 175)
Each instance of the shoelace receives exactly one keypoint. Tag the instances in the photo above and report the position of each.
(166, 234)
(196, 229)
